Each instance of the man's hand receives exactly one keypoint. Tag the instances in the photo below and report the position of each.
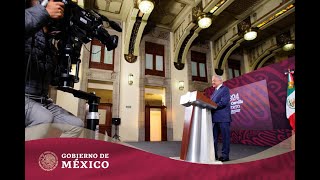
(55, 9)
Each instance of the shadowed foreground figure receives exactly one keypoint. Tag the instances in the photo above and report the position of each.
(40, 63)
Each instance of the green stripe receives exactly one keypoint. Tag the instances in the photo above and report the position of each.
(290, 90)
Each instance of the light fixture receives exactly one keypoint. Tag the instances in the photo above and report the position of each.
(250, 34)
(130, 79)
(288, 46)
(204, 21)
(181, 85)
(244, 28)
(146, 6)
(284, 40)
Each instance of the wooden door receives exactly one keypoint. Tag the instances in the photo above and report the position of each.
(105, 122)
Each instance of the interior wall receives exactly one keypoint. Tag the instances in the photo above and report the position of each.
(177, 113)
(158, 36)
(129, 106)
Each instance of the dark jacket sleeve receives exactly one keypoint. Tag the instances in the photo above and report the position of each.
(36, 17)
(225, 99)
(223, 112)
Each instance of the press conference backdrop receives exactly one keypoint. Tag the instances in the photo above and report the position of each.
(258, 103)
(250, 108)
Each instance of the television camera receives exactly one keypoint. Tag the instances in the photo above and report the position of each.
(79, 26)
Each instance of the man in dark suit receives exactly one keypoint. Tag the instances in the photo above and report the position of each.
(221, 117)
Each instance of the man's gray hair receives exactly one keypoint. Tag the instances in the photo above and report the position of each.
(217, 76)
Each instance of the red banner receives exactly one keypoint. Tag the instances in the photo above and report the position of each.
(84, 159)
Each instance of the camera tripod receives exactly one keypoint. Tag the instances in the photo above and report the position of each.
(116, 136)
(93, 101)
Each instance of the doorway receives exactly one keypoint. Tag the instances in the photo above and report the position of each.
(155, 123)
(104, 91)
(105, 118)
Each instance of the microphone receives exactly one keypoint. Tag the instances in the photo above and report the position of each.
(115, 26)
(112, 24)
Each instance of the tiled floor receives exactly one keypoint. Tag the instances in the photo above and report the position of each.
(238, 152)
(172, 149)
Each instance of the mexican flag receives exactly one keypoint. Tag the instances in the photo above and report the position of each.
(290, 103)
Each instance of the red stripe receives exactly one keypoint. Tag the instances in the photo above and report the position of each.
(292, 120)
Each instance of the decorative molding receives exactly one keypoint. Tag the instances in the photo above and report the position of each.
(97, 74)
(205, 45)
(130, 58)
(273, 15)
(264, 57)
(156, 33)
(155, 81)
(183, 30)
(136, 23)
(228, 53)
(178, 65)
(262, 53)
(107, 6)
(218, 71)
(187, 46)
(225, 47)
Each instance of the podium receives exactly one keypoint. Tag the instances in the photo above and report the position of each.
(197, 138)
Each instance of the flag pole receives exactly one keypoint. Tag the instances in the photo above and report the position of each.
(292, 143)
(291, 71)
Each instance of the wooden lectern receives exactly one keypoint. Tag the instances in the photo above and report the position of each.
(197, 139)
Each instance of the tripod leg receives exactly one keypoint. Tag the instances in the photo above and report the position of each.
(116, 136)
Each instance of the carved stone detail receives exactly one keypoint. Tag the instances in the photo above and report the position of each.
(130, 58)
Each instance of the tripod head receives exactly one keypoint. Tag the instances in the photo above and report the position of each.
(93, 101)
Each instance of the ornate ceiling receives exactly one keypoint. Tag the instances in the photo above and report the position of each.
(168, 14)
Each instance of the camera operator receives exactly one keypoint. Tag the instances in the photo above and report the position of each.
(40, 65)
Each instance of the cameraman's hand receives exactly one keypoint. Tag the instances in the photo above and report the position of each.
(55, 9)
